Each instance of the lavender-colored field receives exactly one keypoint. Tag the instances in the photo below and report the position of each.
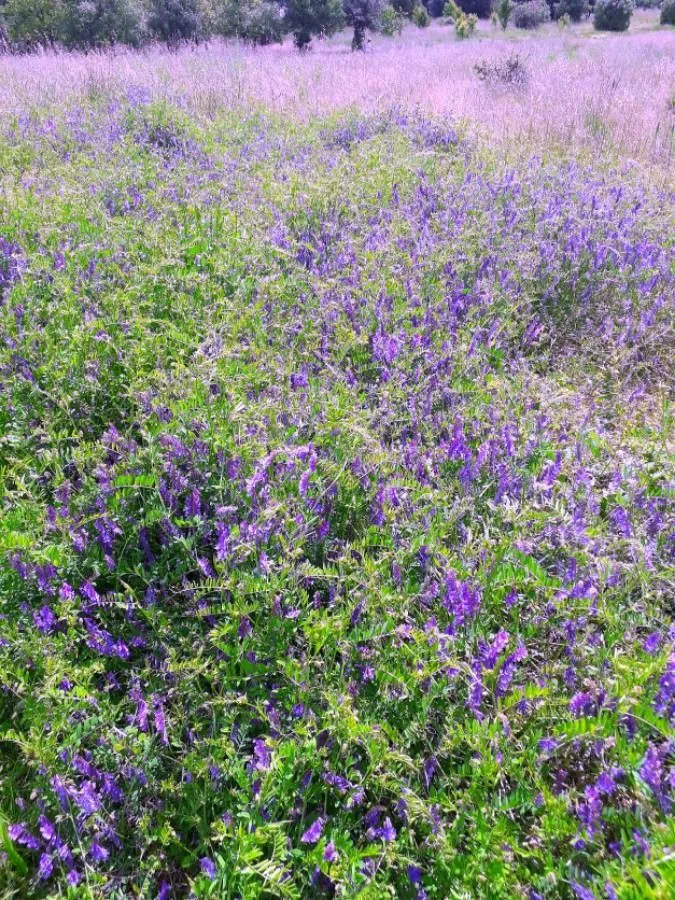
(593, 92)
(336, 470)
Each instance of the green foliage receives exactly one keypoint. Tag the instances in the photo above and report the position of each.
(101, 23)
(391, 21)
(531, 14)
(361, 15)
(667, 12)
(256, 22)
(503, 11)
(575, 10)
(34, 22)
(464, 25)
(305, 19)
(612, 15)
(175, 21)
(420, 16)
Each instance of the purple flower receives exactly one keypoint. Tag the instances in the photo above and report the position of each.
(330, 854)
(313, 833)
(387, 832)
(98, 853)
(208, 867)
(45, 620)
(45, 866)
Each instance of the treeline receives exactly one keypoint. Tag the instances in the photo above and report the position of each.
(96, 24)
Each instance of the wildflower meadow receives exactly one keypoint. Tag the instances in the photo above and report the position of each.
(336, 469)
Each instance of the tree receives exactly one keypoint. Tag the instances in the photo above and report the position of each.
(257, 22)
(362, 15)
(175, 21)
(100, 23)
(306, 18)
(32, 22)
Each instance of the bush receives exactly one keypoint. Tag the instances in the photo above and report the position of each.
(434, 8)
(420, 16)
(306, 18)
(510, 70)
(479, 8)
(647, 4)
(503, 11)
(612, 15)
(175, 21)
(391, 22)
(101, 23)
(531, 14)
(574, 9)
(33, 22)
(668, 12)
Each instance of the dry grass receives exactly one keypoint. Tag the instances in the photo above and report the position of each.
(585, 91)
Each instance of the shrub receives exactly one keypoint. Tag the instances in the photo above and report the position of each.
(503, 11)
(101, 23)
(420, 16)
(510, 70)
(612, 15)
(531, 14)
(668, 12)
(404, 7)
(175, 21)
(306, 18)
(479, 8)
(647, 4)
(262, 24)
(575, 10)
(464, 25)
(33, 22)
(434, 8)
(391, 21)
(361, 15)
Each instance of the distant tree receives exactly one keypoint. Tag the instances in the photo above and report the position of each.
(175, 21)
(362, 16)
(434, 7)
(306, 19)
(257, 22)
(34, 22)
(480, 8)
(405, 7)
(101, 23)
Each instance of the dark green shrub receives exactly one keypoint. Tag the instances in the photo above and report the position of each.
(668, 12)
(480, 8)
(420, 16)
(175, 21)
(33, 23)
(503, 12)
(612, 15)
(531, 14)
(391, 21)
(305, 19)
(101, 23)
(362, 16)
(575, 9)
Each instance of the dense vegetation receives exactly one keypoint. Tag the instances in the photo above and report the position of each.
(28, 25)
(335, 528)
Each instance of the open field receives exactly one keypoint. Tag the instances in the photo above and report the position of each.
(593, 92)
(336, 520)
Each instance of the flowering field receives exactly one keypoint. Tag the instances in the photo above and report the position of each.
(336, 540)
